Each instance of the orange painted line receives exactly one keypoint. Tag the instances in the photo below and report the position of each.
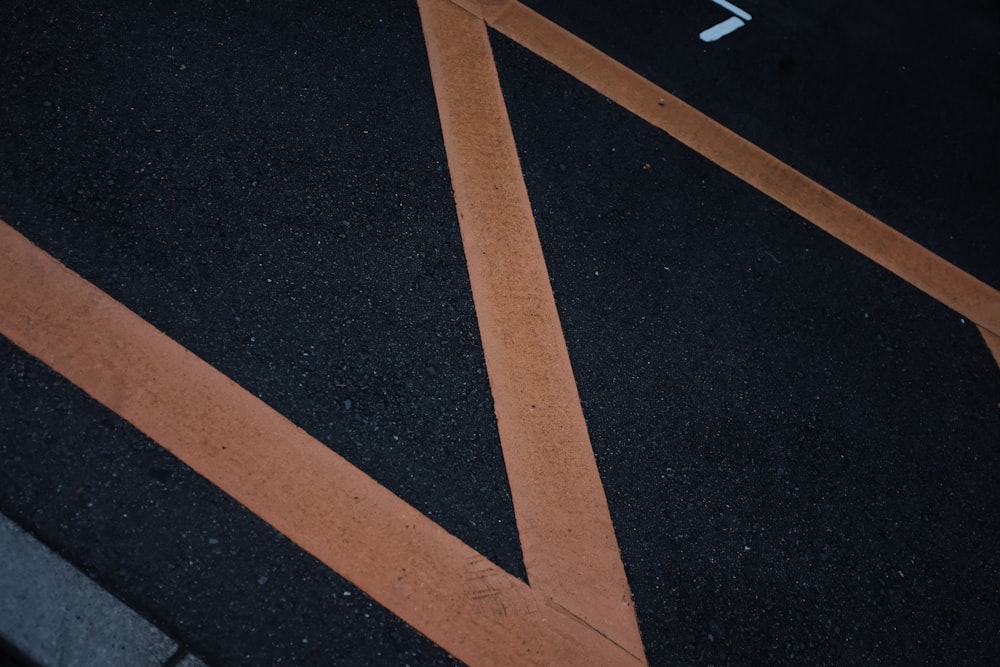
(953, 287)
(406, 562)
(570, 550)
(992, 342)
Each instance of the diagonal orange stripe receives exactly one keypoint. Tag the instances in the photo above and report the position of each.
(953, 287)
(570, 549)
(406, 562)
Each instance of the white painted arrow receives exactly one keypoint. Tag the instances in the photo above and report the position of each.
(729, 25)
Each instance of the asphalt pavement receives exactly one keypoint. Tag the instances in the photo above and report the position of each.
(799, 448)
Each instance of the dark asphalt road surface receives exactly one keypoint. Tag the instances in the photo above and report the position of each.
(799, 449)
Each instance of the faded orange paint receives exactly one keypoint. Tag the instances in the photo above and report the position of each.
(570, 550)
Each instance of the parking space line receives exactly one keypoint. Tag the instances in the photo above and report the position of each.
(330, 508)
(570, 549)
(915, 264)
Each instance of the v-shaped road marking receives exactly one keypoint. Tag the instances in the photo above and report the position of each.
(577, 609)
(330, 508)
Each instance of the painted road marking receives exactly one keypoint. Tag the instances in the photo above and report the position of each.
(327, 506)
(915, 264)
(727, 26)
(733, 8)
(570, 550)
(721, 29)
(406, 562)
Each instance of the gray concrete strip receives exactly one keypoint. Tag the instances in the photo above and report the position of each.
(58, 617)
(190, 661)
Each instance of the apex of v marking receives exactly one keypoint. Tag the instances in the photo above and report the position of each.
(484, 9)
